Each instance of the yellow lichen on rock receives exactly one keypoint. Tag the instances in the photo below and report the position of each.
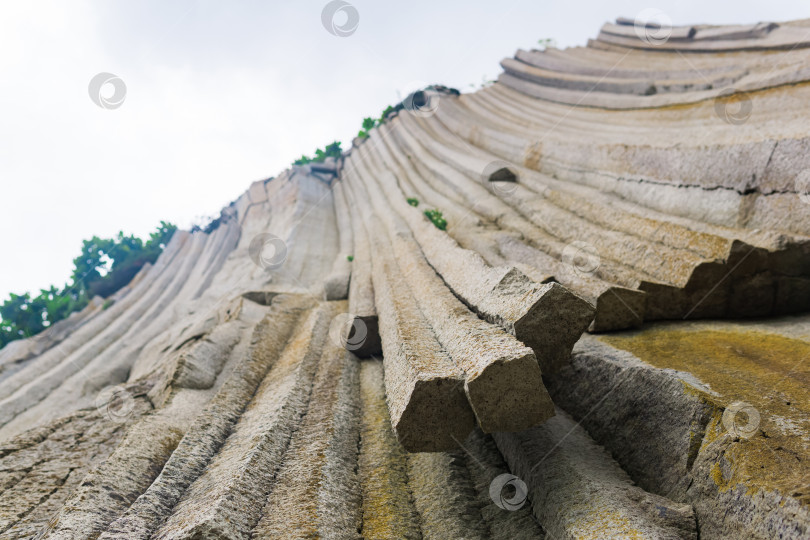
(765, 370)
(388, 511)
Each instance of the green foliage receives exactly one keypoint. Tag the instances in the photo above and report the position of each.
(436, 217)
(368, 124)
(412, 201)
(485, 81)
(547, 43)
(103, 267)
(107, 303)
(22, 316)
(107, 264)
(385, 113)
(331, 150)
(350, 258)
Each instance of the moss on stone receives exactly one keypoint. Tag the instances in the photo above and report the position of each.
(765, 370)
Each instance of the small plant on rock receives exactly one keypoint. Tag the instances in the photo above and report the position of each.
(547, 43)
(368, 125)
(331, 150)
(436, 217)
(413, 201)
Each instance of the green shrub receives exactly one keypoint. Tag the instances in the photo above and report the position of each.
(103, 267)
(350, 258)
(547, 43)
(436, 217)
(412, 201)
(331, 150)
(385, 113)
(368, 125)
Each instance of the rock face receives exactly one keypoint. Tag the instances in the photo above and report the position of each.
(331, 361)
(716, 415)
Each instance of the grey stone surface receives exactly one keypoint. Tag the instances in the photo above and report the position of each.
(424, 388)
(336, 286)
(361, 290)
(666, 428)
(559, 463)
(494, 363)
(214, 397)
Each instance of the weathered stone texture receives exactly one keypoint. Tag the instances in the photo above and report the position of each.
(328, 360)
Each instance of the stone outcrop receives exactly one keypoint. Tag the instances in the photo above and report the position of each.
(715, 415)
(328, 360)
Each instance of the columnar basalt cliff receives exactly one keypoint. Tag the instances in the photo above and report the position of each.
(598, 329)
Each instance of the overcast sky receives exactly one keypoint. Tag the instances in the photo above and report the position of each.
(219, 94)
